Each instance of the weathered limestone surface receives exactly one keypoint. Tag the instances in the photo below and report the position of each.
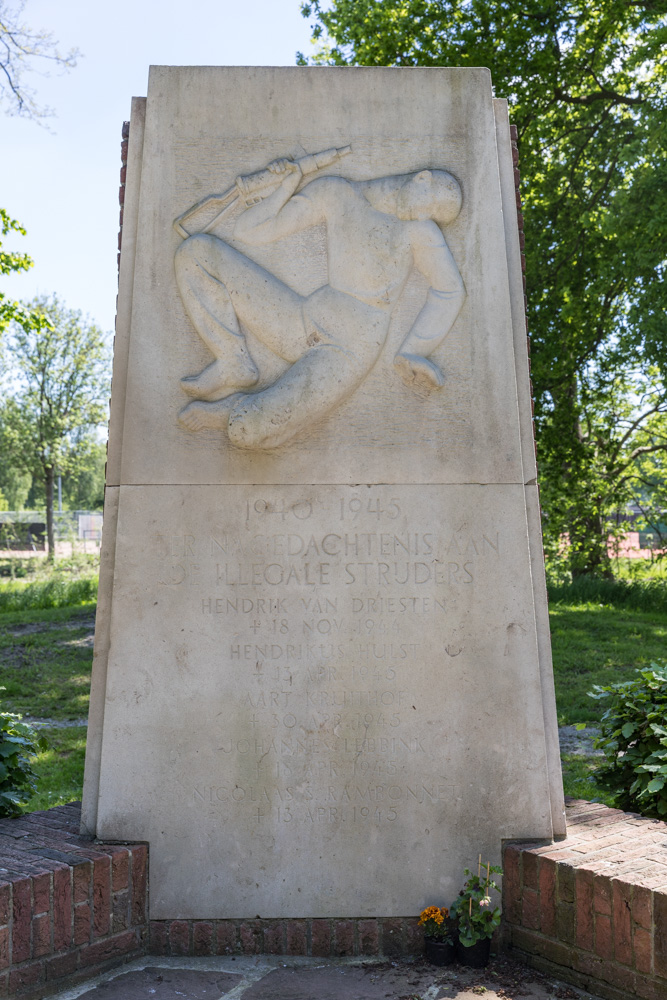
(322, 680)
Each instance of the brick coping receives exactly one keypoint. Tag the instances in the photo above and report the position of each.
(592, 908)
(69, 907)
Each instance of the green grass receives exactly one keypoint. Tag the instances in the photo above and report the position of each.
(641, 569)
(578, 780)
(641, 595)
(595, 644)
(45, 663)
(59, 769)
(57, 592)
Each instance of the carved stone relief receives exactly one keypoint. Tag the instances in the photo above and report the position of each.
(376, 232)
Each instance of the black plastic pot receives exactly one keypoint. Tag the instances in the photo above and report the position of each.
(475, 955)
(439, 952)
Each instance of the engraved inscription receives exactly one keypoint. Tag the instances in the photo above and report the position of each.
(322, 608)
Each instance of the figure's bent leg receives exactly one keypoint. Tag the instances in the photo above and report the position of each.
(220, 286)
(210, 308)
(310, 388)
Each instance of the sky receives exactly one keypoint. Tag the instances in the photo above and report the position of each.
(61, 182)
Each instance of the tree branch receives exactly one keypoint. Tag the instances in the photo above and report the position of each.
(603, 95)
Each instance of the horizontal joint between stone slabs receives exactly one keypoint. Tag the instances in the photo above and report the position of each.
(323, 937)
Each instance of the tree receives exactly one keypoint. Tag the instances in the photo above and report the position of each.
(9, 261)
(57, 388)
(587, 87)
(21, 48)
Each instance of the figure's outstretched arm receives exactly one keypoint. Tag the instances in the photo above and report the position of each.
(281, 213)
(443, 303)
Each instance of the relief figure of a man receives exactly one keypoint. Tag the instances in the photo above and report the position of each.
(376, 231)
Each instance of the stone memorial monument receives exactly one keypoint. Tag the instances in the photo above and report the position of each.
(322, 680)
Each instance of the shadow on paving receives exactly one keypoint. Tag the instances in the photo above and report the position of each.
(372, 980)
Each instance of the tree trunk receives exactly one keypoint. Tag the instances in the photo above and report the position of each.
(590, 549)
(50, 533)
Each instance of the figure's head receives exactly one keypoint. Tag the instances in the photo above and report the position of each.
(430, 194)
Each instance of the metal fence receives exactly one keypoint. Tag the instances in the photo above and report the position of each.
(25, 530)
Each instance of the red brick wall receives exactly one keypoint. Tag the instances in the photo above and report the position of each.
(121, 190)
(593, 908)
(388, 936)
(69, 907)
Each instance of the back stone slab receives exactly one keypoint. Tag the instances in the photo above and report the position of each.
(322, 682)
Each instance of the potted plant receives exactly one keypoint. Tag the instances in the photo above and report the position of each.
(438, 935)
(476, 919)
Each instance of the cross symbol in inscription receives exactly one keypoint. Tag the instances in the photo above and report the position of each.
(254, 721)
(255, 626)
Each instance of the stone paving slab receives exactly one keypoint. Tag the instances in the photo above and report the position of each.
(164, 984)
(287, 978)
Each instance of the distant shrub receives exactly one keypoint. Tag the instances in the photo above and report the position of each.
(633, 738)
(18, 743)
(56, 592)
(16, 567)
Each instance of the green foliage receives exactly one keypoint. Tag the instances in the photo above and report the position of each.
(587, 88)
(83, 486)
(18, 567)
(15, 483)
(57, 388)
(11, 311)
(633, 738)
(475, 916)
(18, 743)
(58, 381)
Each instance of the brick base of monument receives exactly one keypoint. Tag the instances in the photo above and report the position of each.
(391, 937)
(592, 909)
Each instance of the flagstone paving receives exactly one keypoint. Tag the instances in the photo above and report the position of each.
(278, 978)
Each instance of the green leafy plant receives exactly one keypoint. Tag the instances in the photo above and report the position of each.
(18, 743)
(475, 916)
(437, 923)
(633, 738)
